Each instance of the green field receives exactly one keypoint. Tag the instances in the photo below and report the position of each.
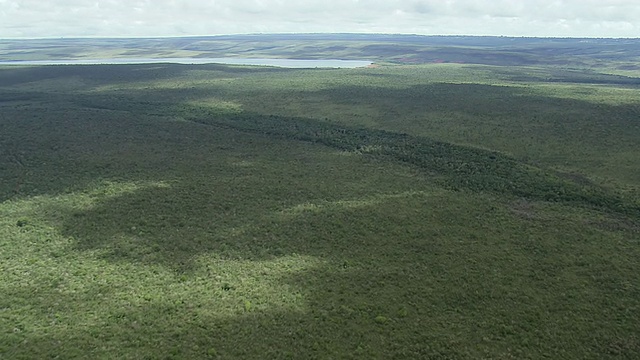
(443, 211)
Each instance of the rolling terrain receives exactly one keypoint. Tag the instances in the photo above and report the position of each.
(613, 54)
(429, 210)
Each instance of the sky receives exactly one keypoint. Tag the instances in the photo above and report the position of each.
(148, 18)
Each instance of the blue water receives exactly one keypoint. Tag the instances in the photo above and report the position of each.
(286, 63)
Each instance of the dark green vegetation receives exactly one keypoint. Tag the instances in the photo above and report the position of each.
(430, 211)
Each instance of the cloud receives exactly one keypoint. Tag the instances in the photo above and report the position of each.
(57, 18)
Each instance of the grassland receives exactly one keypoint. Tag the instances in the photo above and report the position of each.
(441, 211)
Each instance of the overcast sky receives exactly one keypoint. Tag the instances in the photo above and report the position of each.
(67, 18)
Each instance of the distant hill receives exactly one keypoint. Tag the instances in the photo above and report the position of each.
(390, 48)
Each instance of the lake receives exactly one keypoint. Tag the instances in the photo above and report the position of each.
(286, 63)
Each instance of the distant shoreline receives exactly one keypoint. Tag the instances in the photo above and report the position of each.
(285, 63)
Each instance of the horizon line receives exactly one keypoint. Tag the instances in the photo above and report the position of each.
(75, 37)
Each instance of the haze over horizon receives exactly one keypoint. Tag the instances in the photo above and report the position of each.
(160, 18)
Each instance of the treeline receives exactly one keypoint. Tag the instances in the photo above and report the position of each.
(455, 166)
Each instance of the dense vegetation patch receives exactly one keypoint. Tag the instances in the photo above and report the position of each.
(462, 167)
(442, 211)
